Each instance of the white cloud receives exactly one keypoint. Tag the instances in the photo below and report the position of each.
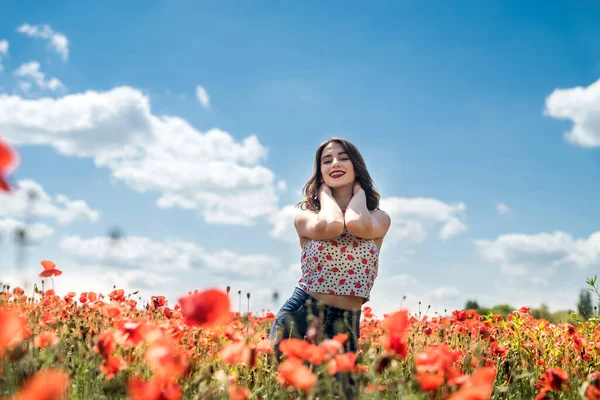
(520, 253)
(503, 208)
(202, 96)
(403, 279)
(141, 252)
(581, 105)
(210, 172)
(88, 277)
(531, 291)
(32, 70)
(443, 292)
(57, 41)
(256, 265)
(60, 208)
(173, 267)
(283, 224)
(3, 51)
(453, 227)
(34, 232)
(181, 96)
(412, 218)
(24, 86)
(389, 291)
(528, 291)
(539, 282)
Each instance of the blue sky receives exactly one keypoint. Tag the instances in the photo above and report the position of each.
(456, 109)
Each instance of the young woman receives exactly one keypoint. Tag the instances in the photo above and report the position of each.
(341, 230)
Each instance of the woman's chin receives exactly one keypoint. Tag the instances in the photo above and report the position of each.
(340, 185)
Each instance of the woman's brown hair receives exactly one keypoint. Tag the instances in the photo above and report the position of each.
(311, 188)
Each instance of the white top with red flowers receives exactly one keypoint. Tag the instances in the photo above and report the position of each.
(346, 265)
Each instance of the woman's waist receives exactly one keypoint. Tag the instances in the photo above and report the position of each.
(338, 300)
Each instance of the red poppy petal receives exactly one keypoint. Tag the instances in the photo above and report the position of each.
(48, 265)
(8, 158)
(6, 155)
(46, 274)
(4, 186)
(57, 272)
(206, 309)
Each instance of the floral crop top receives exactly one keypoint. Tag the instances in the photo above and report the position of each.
(344, 265)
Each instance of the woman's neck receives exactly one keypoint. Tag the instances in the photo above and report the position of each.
(342, 196)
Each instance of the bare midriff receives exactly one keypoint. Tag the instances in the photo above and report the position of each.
(340, 301)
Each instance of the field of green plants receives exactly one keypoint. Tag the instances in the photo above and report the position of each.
(104, 346)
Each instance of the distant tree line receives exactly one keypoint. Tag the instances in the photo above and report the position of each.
(585, 310)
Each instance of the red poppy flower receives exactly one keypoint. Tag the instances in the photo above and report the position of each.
(479, 386)
(8, 162)
(294, 348)
(111, 366)
(396, 326)
(165, 358)
(49, 269)
(430, 381)
(117, 295)
(156, 389)
(131, 332)
(205, 309)
(46, 385)
(106, 344)
(159, 301)
(45, 339)
(293, 372)
(236, 353)
(12, 329)
(552, 379)
(238, 393)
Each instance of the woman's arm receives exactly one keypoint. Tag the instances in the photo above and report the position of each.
(364, 223)
(326, 224)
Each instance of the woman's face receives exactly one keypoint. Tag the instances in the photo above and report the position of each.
(336, 168)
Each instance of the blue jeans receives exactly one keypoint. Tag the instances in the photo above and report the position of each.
(301, 311)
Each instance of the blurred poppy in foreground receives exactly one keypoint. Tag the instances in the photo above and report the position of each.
(293, 372)
(9, 161)
(396, 326)
(478, 386)
(157, 389)
(46, 385)
(205, 309)
(12, 329)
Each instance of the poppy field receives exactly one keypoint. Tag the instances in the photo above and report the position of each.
(105, 346)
